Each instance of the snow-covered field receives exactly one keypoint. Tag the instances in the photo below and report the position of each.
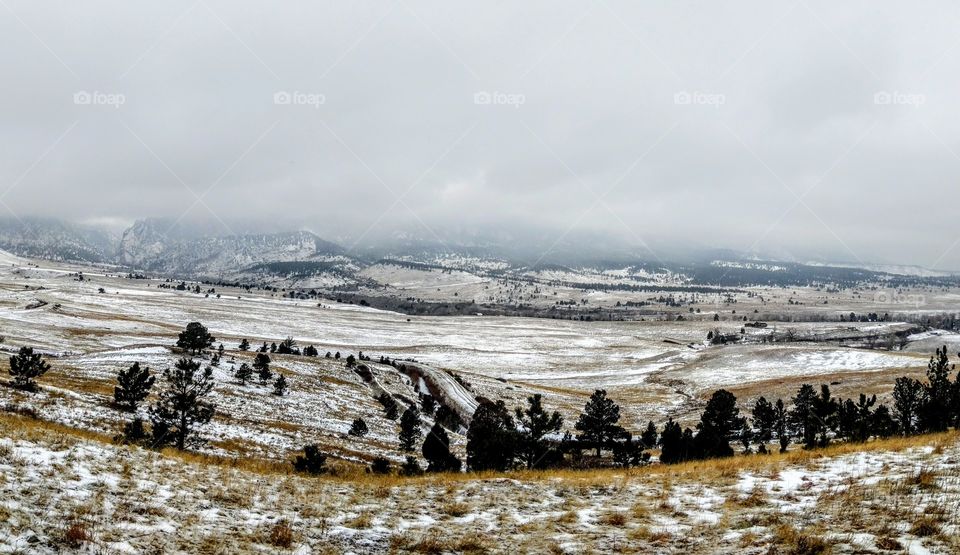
(60, 493)
(56, 481)
(652, 367)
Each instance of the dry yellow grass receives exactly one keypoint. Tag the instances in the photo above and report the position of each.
(653, 509)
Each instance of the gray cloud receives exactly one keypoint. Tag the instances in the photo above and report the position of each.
(698, 123)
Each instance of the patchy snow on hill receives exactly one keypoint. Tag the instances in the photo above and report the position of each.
(60, 493)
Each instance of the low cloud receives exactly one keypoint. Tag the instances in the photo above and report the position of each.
(810, 130)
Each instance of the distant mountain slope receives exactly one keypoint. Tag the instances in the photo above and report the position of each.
(301, 259)
(56, 240)
(147, 245)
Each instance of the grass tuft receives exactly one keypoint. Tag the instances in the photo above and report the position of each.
(281, 535)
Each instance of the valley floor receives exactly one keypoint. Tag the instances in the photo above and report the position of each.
(65, 489)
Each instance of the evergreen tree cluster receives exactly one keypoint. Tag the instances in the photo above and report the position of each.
(499, 440)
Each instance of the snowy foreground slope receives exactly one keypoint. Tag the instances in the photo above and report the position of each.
(61, 492)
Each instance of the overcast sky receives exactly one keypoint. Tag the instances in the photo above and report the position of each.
(811, 129)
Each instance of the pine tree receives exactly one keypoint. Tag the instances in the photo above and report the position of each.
(781, 425)
(935, 414)
(436, 450)
(390, 408)
(649, 436)
(846, 419)
(863, 418)
(133, 386)
(718, 423)
(380, 465)
(672, 445)
(629, 452)
(358, 428)
(883, 423)
(392, 411)
(491, 438)
(220, 351)
(244, 344)
(599, 422)
(825, 409)
(195, 338)
(447, 418)
(181, 406)
(907, 404)
(25, 367)
(410, 432)
(262, 365)
(746, 437)
(410, 467)
(244, 373)
(803, 418)
(287, 346)
(764, 420)
(428, 405)
(313, 461)
(535, 423)
(280, 386)
(133, 432)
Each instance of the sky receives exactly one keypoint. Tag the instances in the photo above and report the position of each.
(806, 130)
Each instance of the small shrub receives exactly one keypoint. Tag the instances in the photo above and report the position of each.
(756, 498)
(925, 479)
(281, 535)
(455, 509)
(925, 527)
(800, 543)
(358, 428)
(888, 544)
(361, 521)
(411, 467)
(380, 465)
(75, 535)
(133, 432)
(616, 518)
(280, 386)
(312, 461)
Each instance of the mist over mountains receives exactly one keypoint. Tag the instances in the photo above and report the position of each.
(265, 252)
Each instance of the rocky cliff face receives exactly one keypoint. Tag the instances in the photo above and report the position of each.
(141, 243)
(148, 245)
(56, 240)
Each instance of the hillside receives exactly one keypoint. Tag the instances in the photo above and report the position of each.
(57, 451)
(64, 491)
